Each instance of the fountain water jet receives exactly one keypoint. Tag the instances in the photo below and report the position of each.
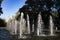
(33, 26)
(22, 26)
(40, 26)
(15, 26)
(28, 25)
(51, 26)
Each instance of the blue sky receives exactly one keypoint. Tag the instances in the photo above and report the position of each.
(10, 7)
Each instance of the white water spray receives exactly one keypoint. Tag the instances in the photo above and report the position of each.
(40, 26)
(21, 25)
(15, 27)
(51, 26)
(28, 25)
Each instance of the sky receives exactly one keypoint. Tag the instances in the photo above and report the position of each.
(10, 7)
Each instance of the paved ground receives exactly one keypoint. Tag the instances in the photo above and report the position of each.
(5, 35)
(56, 37)
(43, 38)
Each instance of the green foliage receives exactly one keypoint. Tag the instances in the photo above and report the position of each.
(2, 23)
(58, 2)
(1, 1)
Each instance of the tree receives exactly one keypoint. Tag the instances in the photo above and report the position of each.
(0, 7)
(45, 7)
(2, 23)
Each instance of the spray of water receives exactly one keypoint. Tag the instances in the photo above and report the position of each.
(40, 26)
(28, 25)
(21, 25)
(51, 26)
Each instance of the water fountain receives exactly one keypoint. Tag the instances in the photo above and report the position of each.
(39, 30)
(28, 25)
(51, 26)
(15, 27)
(23, 28)
(40, 26)
(21, 25)
(33, 26)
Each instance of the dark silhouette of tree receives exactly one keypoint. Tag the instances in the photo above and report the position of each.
(33, 7)
(46, 7)
(2, 23)
(1, 7)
